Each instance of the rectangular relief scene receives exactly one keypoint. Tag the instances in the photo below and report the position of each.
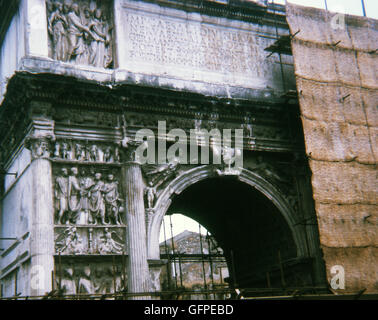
(89, 210)
(81, 32)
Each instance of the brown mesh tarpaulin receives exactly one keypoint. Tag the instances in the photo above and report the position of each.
(335, 60)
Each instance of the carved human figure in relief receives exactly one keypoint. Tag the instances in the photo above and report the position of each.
(75, 36)
(93, 153)
(80, 36)
(57, 24)
(70, 242)
(61, 194)
(150, 192)
(227, 155)
(65, 151)
(155, 279)
(57, 150)
(85, 184)
(100, 282)
(110, 243)
(117, 156)
(79, 152)
(98, 45)
(85, 284)
(108, 28)
(74, 192)
(68, 283)
(112, 199)
(96, 201)
(87, 20)
(158, 175)
(108, 156)
(247, 127)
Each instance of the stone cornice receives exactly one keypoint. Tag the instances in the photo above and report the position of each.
(41, 96)
(248, 11)
(68, 91)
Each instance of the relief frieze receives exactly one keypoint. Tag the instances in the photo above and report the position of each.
(86, 151)
(80, 32)
(88, 196)
(83, 240)
(85, 117)
(97, 277)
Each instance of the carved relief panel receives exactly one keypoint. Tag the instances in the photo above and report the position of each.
(84, 151)
(80, 32)
(98, 277)
(89, 203)
(87, 196)
(79, 240)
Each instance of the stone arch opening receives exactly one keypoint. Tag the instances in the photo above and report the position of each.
(246, 225)
(249, 219)
(194, 260)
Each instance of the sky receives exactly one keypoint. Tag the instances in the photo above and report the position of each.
(181, 223)
(344, 6)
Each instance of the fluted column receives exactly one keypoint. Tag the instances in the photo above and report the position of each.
(42, 227)
(138, 271)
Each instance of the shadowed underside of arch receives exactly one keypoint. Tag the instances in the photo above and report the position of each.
(250, 220)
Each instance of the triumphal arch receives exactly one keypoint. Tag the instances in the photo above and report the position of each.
(116, 113)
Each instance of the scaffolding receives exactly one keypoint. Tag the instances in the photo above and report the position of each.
(210, 289)
(176, 260)
(291, 293)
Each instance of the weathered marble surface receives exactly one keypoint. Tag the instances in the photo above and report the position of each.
(139, 276)
(165, 42)
(157, 46)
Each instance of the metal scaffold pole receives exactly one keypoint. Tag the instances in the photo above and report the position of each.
(363, 8)
(179, 259)
(168, 257)
(173, 250)
(210, 261)
(203, 260)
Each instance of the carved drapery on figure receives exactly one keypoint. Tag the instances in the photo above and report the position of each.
(150, 192)
(85, 197)
(82, 240)
(158, 175)
(69, 241)
(100, 277)
(111, 242)
(86, 151)
(80, 32)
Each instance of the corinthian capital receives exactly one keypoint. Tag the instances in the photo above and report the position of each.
(132, 150)
(40, 147)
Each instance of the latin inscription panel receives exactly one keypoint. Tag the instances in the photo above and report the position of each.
(164, 44)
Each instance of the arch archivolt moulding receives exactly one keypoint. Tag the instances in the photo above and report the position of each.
(197, 174)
